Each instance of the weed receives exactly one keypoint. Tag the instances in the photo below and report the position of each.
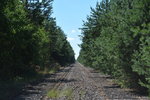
(53, 93)
(60, 93)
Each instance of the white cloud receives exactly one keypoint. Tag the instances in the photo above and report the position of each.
(73, 31)
(79, 30)
(70, 39)
(76, 31)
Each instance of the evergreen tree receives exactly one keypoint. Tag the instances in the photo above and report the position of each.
(27, 39)
(116, 41)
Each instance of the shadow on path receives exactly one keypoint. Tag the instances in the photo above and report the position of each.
(40, 87)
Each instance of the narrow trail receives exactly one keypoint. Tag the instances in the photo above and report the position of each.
(77, 82)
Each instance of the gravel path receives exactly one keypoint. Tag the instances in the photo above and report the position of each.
(77, 83)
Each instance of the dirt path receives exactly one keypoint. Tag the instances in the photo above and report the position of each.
(77, 83)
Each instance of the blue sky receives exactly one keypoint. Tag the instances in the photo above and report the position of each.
(70, 15)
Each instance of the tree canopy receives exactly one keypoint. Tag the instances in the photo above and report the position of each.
(116, 41)
(29, 37)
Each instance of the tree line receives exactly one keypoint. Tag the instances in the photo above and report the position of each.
(116, 41)
(29, 37)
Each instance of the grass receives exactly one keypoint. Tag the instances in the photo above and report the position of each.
(66, 92)
(10, 89)
(54, 93)
(49, 71)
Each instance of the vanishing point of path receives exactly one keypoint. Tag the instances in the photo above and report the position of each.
(77, 82)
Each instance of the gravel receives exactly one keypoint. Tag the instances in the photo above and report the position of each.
(78, 83)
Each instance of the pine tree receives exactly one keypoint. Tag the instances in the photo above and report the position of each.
(116, 41)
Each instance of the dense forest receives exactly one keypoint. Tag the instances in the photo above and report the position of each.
(116, 41)
(30, 40)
